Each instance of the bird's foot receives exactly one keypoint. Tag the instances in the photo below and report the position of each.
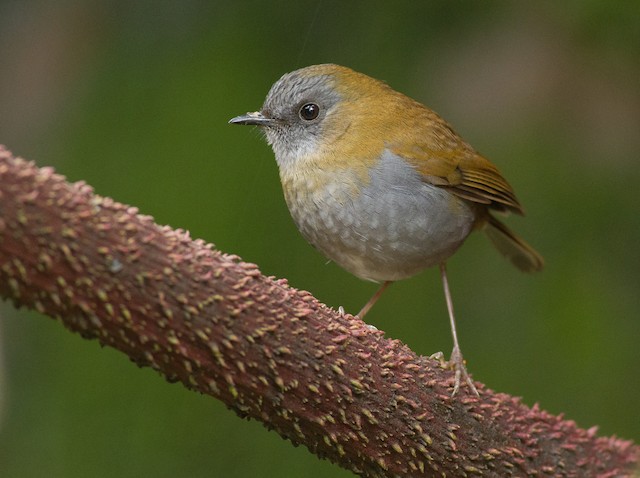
(456, 363)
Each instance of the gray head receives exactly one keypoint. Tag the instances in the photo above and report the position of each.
(294, 112)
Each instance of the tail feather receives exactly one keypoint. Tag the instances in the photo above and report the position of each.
(514, 248)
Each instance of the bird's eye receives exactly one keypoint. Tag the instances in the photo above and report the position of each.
(309, 111)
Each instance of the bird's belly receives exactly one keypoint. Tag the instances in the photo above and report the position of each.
(382, 231)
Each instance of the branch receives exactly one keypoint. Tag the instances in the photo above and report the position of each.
(268, 351)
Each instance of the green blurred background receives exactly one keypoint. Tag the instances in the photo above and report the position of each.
(134, 98)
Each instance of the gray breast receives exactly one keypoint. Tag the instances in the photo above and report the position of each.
(396, 226)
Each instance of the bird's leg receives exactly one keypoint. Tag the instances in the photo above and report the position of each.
(456, 362)
(373, 300)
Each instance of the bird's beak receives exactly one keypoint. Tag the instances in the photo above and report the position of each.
(255, 118)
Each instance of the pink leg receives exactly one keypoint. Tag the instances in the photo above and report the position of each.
(373, 300)
(456, 362)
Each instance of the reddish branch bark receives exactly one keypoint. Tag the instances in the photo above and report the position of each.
(268, 351)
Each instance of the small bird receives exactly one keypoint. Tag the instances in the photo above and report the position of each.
(380, 184)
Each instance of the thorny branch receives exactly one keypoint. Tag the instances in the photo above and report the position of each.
(268, 351)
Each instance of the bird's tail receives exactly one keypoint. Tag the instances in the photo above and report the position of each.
(514, 248)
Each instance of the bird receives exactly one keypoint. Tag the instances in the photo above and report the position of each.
(381, 184)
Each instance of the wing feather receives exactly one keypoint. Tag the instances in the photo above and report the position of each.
(456, 166)
(446, 160)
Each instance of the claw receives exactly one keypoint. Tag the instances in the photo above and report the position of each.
(456, 363)
(439, 356)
